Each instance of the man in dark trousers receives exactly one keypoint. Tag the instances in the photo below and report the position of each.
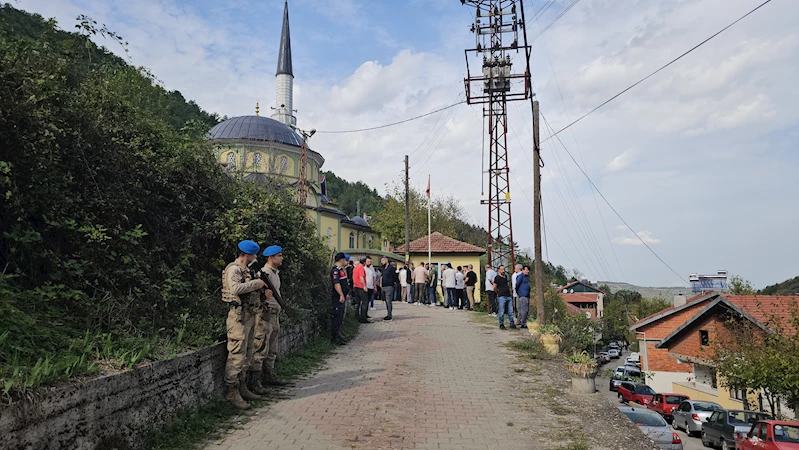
(388, 283)
(338, 298)
(360, 290)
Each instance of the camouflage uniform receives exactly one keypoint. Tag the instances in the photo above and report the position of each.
(267, 329)
(241, 291)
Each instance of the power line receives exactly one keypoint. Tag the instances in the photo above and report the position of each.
(393, 123)
(611, 206)
(658, 70)
(554, 20)
(430, 132)
(443, 135)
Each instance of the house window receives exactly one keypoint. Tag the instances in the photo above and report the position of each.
(257, 160)
(352, 239)
(284, 164)
(704, 339)
(371, 241)
(385, 243)
(736, 393)
(231, 160)
(329, 236)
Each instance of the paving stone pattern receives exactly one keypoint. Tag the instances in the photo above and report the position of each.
(428, 379)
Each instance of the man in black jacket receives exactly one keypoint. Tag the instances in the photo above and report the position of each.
(388, 282)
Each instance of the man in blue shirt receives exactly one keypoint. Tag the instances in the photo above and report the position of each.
(523, 290)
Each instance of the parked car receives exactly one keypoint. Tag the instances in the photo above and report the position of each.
(654, 427)
(605, 357)
(771, 435)
(614, 353)
(640, 393)
(725, 427)
(615, 382)
(614, 345)
(632, 362)
(665, 404)
(691, 413)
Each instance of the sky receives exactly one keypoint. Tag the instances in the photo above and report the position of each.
(700, 160)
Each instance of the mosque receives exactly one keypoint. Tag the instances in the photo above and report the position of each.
(261, 148)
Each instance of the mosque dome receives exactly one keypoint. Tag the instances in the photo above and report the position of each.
(359, 221)
(255, 128)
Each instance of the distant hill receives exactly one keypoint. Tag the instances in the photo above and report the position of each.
(648, 292)
(786, 287)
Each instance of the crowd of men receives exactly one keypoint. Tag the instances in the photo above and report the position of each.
(255, 301)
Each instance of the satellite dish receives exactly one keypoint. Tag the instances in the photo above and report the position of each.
(588, 314)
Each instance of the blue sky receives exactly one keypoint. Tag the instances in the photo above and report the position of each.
(701, 160)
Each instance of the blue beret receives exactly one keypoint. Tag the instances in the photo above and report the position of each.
(272, 250)
(249, 247)
(347, 257)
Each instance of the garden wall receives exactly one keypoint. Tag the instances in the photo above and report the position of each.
(116, 411)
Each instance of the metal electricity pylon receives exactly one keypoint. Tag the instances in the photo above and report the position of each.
(497, 26)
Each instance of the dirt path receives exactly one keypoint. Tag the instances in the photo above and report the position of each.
(432, 378)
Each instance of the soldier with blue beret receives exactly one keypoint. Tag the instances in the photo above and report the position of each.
(267, 324)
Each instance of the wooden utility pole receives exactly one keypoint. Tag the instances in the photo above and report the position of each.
(407, 214)
(539, 270)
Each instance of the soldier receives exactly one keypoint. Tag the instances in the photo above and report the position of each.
(338, 276)
(267, 324)
(240, 290)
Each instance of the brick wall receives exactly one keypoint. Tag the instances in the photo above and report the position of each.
(116, 411)
(658, 358)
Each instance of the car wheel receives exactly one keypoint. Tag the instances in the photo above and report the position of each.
(725, 445)
(705, 441)
(621, 399)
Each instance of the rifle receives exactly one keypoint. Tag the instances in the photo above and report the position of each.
(271, 287)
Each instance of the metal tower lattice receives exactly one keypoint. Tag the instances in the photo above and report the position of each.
(497, 26)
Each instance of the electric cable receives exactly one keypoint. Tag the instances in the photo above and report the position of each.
(393, 123)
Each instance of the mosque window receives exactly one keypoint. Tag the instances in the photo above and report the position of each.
(284, 164)
(231, 160)
(257, 160)
(329, 236)
(352, 239)
(371, 241)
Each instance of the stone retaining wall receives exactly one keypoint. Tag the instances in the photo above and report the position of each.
(115, 411)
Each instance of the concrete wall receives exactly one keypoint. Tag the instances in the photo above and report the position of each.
(116, 411)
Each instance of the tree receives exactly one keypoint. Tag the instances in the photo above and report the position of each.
(739, 286)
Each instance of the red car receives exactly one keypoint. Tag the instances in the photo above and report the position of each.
(665, 404)
(771, 435)
(635, 393)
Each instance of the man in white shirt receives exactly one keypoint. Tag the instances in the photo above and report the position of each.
(516, 271)
(450, 281)
(492, 297)
(419, 284)
(370, 282)
(403, 279)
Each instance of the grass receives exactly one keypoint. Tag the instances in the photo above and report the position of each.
(483, 318)
(529, 348)
(577, 438)
(207, 421)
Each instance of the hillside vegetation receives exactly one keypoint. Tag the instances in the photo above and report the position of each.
(787, 287)
(117, 220)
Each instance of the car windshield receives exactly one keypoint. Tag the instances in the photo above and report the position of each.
(674, 399)
(644, 390)
(786, 433)
(617, 376)
(646, 418)
(746, 417)
(702, 406)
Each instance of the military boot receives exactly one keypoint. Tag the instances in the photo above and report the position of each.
(234, 396)
(255, 383)
(272, 379)
(245, 392)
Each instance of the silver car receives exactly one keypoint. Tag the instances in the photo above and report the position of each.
(654, 427)
(690, 415)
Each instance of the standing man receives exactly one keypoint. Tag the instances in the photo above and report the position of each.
(492, 295)
(523, 302)
(267, 324)
(471, 281)
(502, 288)
(348, 269)
(516, 270)
(359, 285)
(388, 282)
(419, 283)
(432, 283)
(403, 279)
(459, 287)
(240, 290)
(370, 283)
(338, 298)
(409, 281)
(449, 284)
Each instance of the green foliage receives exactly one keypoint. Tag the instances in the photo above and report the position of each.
(787, 287)
(116, 218)
(529, 348)
(738, 286)
(346, 194)
(621, 310)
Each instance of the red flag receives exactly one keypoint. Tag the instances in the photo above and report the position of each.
(428, 187)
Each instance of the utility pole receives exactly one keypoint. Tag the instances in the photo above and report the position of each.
(497, 26)
(539, 270)
(407, 215)
(302, 186)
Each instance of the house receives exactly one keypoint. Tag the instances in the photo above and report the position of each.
(584, 297)
(676, 343)
(443, 250)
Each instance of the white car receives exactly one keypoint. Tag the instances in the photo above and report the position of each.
(632, 361)
(614, 353)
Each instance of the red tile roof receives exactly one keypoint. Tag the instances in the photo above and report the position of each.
(575, 311)
(764, 308)
(441, 244)
(670, 309)
(580, 297)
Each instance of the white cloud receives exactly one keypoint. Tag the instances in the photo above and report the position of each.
(621, 162)
(645, 236)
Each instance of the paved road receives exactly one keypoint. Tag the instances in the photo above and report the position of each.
(689, 443)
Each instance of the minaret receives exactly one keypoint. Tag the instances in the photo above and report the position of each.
(284, 86)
